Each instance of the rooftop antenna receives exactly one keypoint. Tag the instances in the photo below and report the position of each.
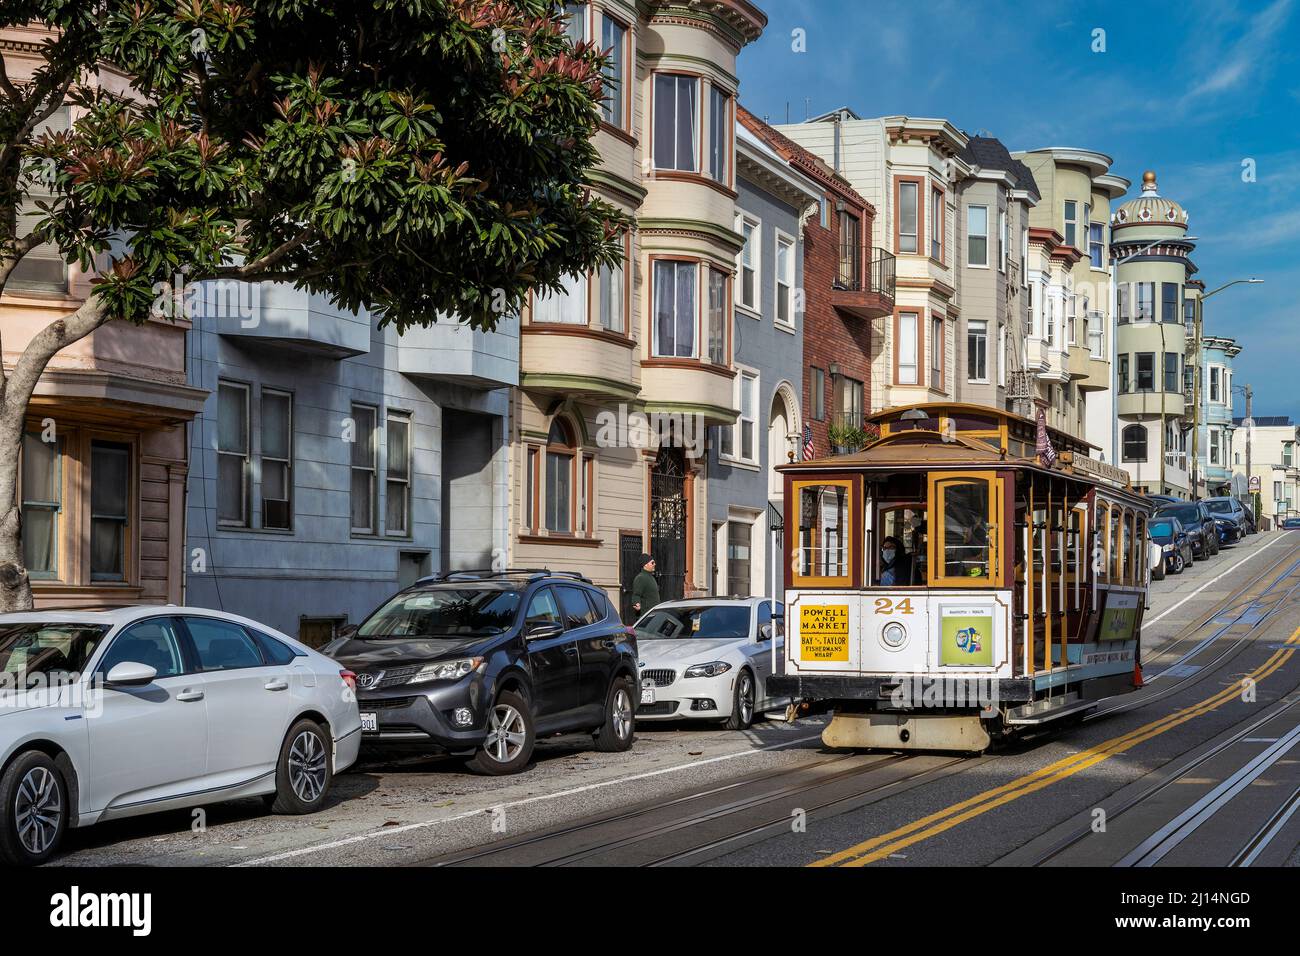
(807, 108)
(787, 112)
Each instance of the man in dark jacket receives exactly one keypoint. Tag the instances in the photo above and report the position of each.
(645, 589)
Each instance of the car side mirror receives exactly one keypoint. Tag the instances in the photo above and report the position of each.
(130, 674)
(543, 630)
(765, 632)
(347, 631)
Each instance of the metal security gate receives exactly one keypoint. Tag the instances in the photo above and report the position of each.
(629, 553)
(668, 522)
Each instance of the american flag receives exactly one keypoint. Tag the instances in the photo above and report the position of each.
(807, 443)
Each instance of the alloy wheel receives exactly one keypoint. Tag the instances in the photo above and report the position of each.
(307, 766)
(38, 809)
(621, 714)
(506, 733)
(746, 697)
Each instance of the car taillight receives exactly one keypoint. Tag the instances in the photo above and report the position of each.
(349, 678)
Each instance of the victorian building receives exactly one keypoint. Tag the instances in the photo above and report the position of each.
(1153, 268)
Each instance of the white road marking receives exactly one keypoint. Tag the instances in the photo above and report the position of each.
(391, 831)
(1171, 610)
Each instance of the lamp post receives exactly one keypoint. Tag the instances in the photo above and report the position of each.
(1249, 423)
(1196, 385)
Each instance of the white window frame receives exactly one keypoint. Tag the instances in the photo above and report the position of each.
(570, 307)
(778, 280)
(753, 247)
(1002, 355)
(397, 417)
(696, 135)
(1071, 222)
(719, 154)
(694, 268)
(983, 337)
(1003, 238)
(372, 468)
(263, 457)
(915, 234)
(246, 457)
(972, 234)
(735, 432)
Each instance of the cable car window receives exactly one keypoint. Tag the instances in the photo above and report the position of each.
(1113, 547)
(823, 547)
(963, 510)
(907, 528)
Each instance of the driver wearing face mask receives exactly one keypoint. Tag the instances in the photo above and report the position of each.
(895, 563)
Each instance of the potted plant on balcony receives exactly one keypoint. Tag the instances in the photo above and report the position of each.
(845, 437)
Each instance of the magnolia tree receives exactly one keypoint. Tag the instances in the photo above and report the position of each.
(410, 157)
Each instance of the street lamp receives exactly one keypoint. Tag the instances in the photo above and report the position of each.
(1198, 327)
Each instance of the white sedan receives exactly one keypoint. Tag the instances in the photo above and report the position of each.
(709, 659)
(118, 712)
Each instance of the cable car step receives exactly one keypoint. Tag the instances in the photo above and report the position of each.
(1043, 712)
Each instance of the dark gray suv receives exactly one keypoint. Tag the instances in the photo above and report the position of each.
(482, 663)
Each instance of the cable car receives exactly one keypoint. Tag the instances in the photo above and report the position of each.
(967, 575)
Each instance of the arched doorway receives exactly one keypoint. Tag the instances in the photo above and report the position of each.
(782, 437)
(669, 514)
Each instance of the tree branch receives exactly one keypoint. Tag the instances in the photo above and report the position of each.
(10, 92)
(59, 334)
(250, 269)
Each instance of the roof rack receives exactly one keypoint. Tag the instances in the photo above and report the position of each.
(478, 574)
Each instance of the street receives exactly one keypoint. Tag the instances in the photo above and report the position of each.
(1207, 740)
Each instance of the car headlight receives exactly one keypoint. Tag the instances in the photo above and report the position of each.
(1167, 549)
(711, 669)
(446, 670)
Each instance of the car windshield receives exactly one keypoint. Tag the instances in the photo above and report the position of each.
(458, 612)
(49, 650)
(1187, 514)
(1219, 507)
(1162, 529)
(709, 621)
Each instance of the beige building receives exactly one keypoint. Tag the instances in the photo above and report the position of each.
(909, 169)
(1274, 462)
(649, 344)
(1073, 343)
(104, 458)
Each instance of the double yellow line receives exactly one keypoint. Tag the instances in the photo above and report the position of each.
(878, 848)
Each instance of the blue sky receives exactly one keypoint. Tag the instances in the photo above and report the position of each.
(1189, 89)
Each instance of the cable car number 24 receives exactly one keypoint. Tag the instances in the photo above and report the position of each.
(890, 606)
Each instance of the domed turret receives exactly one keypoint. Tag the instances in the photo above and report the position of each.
(1149, 209)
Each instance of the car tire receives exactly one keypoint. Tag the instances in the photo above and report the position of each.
(305, 770)
(509, 743)
(1179, 563)
(32, 784)
(617, 732)
(742, 702)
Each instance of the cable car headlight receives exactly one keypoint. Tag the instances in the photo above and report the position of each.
(893, 634)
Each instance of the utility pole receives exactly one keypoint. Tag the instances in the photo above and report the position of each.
(1250, 427)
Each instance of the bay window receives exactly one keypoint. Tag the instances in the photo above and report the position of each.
(977, 236)
(397, 477)
(908, 218)
(676, 120)
(977, 351)
(719, 134)
(717, 327)
(907, 326)
(110, 483)
(674, 308)
(568, 306)
(277, 459)
(938, 224)
(613, 41)
(365, 469)
(42, 504)
(232, 453)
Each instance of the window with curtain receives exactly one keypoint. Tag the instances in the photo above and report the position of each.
(232, 453)
(397, 476)
(42, 504)
(908, 202)
(613, 41)
(719, 130)
(365, 469)
(568, 306)
(850, 407)
(1146, 302)
(561, 455)
(674, 308)
(277, 459)
(850, 274)
(676, 120)
(937, 349)
(110, 484)
(907, 352)
(613, 297)
(717, 316)
(575, 24)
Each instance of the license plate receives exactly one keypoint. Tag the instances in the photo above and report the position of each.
(647, 693)
(369, 722)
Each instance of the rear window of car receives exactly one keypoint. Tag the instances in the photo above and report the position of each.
(443, 612)
(275, 652)
(1220, 507)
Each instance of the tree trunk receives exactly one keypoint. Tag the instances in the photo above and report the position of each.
(17, 387)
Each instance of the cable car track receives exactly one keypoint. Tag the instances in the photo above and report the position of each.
(1181, 825)
(871, 766)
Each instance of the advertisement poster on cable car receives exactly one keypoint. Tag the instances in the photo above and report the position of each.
(1119, 619)
(824, 632)
(966, 636)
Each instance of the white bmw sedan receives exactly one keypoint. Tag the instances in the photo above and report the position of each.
(117, 712)
(709, 659)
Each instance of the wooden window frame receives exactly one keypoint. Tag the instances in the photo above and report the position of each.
(852, 534)
(938, 351)
(942, 228)
(920, 345)
(935, 542)
(921, 247)
(629, 71)
(373, 530)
